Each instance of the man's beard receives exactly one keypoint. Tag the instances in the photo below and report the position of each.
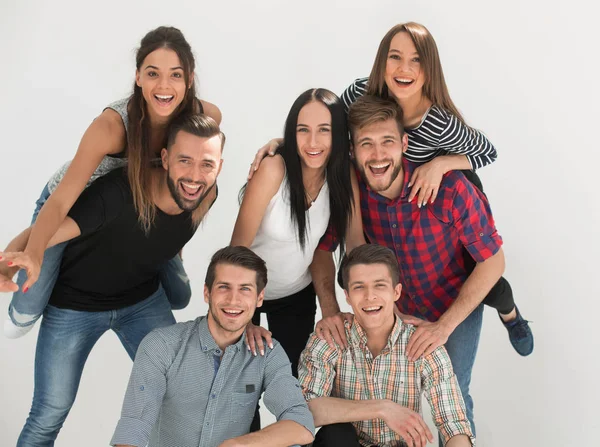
(184, 204)
(396, 170)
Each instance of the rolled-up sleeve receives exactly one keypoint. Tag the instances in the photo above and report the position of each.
(145, 392)
(474, 222)
(316, 370)
(444, 396)
(282, 394)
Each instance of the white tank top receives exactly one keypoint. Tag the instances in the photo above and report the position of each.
(277, 242)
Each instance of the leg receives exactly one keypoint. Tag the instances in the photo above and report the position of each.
(343, 435)
(25, 310)
(292, 320)
(519, 332)
(462, 349)
(176, 283)
(65, 340)
(133, 323)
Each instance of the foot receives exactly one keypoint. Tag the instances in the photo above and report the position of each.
(519, 333)
(11, 330)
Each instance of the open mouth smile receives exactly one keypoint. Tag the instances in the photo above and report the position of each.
(403, 82)
(191, 191)
(379, 169)
(372, 310)
(164, 100)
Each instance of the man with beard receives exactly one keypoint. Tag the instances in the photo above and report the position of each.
(195, 383)
(109, 276)
(435, 245)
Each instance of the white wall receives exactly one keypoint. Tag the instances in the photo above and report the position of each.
(524, 72)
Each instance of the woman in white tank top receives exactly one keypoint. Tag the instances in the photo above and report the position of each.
(287, 208)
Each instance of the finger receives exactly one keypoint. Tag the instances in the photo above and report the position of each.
(425, 429)
(341, 331)
(268, 336)
(413, 192)
(339, 336)
(416, 438)
(412, 320)
(427, 195)
(414, 342)
(419, 349)
(260, 345)
(251, 343)
(6, 285)
(348, 317)
(434, 194)
(327, 336)
(432, 347)
(421, 198)
(413, 177)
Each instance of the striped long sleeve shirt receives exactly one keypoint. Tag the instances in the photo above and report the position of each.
(439, 133)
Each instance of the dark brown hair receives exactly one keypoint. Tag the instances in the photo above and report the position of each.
(139, 153)
(370, 254)
(199, 125)
(241, 257)
(370, 109)
(435, 85)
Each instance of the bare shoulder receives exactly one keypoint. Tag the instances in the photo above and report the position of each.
(212, 110)
(270, 172)
(105, 135)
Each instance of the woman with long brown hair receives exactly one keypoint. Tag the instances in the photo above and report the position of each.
(131, 132)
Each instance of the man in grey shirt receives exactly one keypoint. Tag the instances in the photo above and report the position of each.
(196, 384)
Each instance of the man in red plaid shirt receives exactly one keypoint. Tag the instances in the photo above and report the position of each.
(435, 244)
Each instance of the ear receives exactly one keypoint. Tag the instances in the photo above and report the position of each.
(347, 297)
(137, 78)
(164, 157)
(220, 166)
(206, 294)
(404, 142)
(192, 77)
(397, 291)
(261, 298)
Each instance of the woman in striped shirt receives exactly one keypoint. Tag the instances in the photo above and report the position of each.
(407, 68)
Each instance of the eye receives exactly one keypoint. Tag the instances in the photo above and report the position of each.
(325, 129)
(152, 74)
(207, 165)
(302, 129)
(245, 289)
(416, 59)
(223, 287)
(178, 75)
(184, 161)
(388, 141)
(357, 288)
(394, 56)
(366, 145)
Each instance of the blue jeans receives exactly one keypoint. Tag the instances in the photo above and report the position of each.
(65, 340)
(462, 348)
(26, 309)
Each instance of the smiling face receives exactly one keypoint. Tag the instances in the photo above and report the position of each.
(233, 298)
(403, 74)
(377, 150)
(193, 164)
(313, 135)
(162, 81)
(371, 294)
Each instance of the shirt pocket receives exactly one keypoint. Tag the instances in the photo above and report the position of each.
(243, 406)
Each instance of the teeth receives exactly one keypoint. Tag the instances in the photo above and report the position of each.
(379, 166)
(314, 153)
(233, 312)
(366, 309)
(404, 80)
(188, 186)
(164, 96)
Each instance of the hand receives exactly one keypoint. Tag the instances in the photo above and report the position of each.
(6, 284)
(22, 260)
(268, 149)
(407, 423)
(254, 338)
(230, 443)
(425, 181)
(426, 339)
(332, 328)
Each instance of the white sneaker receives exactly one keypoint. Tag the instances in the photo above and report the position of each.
(12, 331)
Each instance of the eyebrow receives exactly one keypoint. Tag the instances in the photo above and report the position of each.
(156, 68)
(306, 125)
(393, 50)
(226, 283)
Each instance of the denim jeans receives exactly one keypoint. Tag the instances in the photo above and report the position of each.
(462, 349)
(26, 309)
(65, 340)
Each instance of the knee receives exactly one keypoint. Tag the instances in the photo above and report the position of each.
(342, 434)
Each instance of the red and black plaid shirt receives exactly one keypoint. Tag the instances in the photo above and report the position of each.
(430, 241)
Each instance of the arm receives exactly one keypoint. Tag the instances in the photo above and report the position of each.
(322, 270)
(445, 400)
(279, 434)
(268, 149)
(356, 234)
(471, 217)
(259, 192)
(106, 135)
(145, 392)
(357, 89)
(212, 110)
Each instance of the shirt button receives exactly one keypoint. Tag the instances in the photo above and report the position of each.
(207, 424)
(394, 225)
(213, 395)
(217, 351)
(480, 234)
(142, 388)
(205, 349)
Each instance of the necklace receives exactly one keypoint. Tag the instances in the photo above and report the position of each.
(311, 200)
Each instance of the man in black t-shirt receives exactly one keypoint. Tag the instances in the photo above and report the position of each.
(108, 278)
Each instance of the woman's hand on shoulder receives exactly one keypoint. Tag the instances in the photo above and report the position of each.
(268, 149)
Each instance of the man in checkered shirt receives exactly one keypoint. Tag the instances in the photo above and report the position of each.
(449, 251)
(368, 393)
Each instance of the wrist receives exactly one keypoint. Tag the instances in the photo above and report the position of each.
(383, 408)
(446, 324)
(329, 310)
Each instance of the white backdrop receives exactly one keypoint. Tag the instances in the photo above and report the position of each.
(524, 72)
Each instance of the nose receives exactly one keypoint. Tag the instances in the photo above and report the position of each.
(378, 152)
(313, 139)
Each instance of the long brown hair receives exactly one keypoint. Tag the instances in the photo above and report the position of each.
(435, 88)
(139, 153)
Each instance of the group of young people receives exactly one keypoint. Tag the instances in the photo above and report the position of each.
(385, 174)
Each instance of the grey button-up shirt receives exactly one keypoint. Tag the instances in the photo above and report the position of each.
(184, 391)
